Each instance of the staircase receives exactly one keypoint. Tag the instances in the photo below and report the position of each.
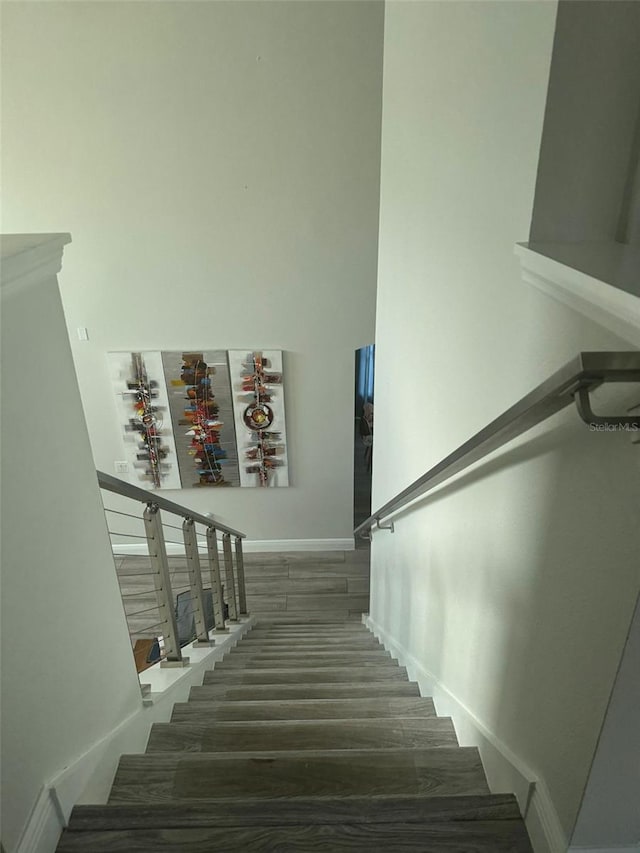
(306, 737)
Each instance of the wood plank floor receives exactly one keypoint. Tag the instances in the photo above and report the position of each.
(330, 750)
(312, 586)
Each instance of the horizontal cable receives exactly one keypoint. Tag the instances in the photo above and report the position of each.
(126, 514)
(159, 659)
(128, 554)
(132, 573)
(129, 535)
(146, 610)
(113, 484)
(148, 628)
(150, 591)
(173, 526)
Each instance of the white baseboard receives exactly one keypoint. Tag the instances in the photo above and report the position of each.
(44, 826)
(88, 777)
(506, 772)
(634, 849)
(249, 546)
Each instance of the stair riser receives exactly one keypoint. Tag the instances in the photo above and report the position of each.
(343, 658)
(313, 648)
(210, 693)
(301, 709)
(463, 837)
(390, 733)
(306, 811)
(316, 624)
(300, 621)
(294, 676)
(259, 661)
(307, 661)
(249, 645)
(312, 636)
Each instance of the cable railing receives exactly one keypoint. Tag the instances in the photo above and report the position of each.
(571, 384)
(172, 597)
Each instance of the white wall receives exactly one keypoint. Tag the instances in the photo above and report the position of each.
(609, 812)
(587, 152)
(513, 588)
(61, 606)
(218, 166)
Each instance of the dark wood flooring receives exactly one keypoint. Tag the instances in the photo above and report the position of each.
(307, 737)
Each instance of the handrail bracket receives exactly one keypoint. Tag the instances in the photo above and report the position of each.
(583, 405)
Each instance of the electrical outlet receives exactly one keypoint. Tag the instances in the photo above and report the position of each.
(121, 467)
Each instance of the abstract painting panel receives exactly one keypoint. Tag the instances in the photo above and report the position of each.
(202, 414)
(258, 402)
(143, 409)
(202, 418)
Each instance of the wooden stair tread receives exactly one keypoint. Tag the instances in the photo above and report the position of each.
(266, 661)
(288, 675)
(320, 690)
(303, 622)
(309, 654)
(387, 733)
(250, 643)
(315, 631)
(451, 837)
(264, 811)
(203, 776)
(303, 709)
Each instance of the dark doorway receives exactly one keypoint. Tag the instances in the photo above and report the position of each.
(363, 432)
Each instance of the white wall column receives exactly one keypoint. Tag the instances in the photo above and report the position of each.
(61, 609)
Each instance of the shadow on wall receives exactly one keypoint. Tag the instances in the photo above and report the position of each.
(525, 629)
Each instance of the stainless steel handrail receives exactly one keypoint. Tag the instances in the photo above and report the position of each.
(119, 487)
(572, 383)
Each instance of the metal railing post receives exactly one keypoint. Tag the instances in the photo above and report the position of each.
(162, 581)
(242, 594)
(195, 582)
(216, 580)
(230, 581)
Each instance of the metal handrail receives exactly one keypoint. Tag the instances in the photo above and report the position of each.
(119, 487)
(572, 383)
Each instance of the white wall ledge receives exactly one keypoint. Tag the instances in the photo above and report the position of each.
(599, 280)
(26, 258)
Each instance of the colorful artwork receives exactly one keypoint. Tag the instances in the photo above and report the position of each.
(202, 414)
(205, 419)
(258, 403)
(143, 408)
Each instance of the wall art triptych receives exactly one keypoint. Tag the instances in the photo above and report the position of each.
(201, 419)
